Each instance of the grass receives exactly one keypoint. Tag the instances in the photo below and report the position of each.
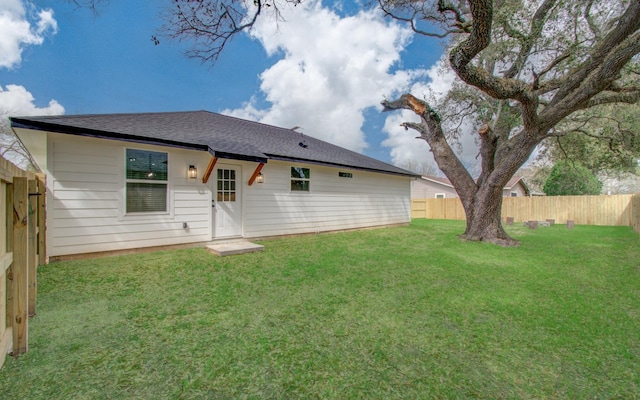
(408, 312)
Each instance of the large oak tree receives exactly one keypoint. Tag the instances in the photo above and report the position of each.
(541, 61)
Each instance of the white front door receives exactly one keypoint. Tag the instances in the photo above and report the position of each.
(227, 204)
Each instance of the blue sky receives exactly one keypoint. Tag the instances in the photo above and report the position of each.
(325, 69)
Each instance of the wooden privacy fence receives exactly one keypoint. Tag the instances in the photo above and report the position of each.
(635, 212)
(616, 210)
(22, 248)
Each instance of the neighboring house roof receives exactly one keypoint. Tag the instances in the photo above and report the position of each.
(510, 185)
(514, 181)
(222, 136)
(441, 181)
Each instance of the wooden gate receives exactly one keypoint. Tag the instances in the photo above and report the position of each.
(22, 249)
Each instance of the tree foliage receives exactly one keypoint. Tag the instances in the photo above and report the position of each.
(571, 179)
(605, 139)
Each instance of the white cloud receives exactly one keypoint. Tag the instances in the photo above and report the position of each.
(21, 25)
(332, 70)
(18, 101)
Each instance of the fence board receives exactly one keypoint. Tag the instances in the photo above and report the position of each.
(20, 275)
(616, 210)
(635, 212)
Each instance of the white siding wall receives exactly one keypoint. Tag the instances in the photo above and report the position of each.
(85, 201)
(86, 189)
(333, 203)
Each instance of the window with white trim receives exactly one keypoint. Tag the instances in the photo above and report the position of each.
(440, 195)
(146, 181)
(300, 178)
(514, 194)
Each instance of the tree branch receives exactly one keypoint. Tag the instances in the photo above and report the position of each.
(461, 56)
(430, 130)
(527, 42)
(610, 54)
(628, 97)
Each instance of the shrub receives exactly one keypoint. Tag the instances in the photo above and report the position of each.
(569, 178)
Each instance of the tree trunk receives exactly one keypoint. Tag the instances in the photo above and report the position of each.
(484, 218)
(481, 199)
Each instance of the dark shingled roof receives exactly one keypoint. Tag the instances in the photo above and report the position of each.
(222, 136)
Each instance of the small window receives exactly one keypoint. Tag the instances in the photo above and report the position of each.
(146, 181)
(514, 194)
(345, 174)
(226, 185)
(440, 195)
(300, 178)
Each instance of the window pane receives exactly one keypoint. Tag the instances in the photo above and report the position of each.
(148, 165)
(300, 186)
(297, 172)
(146, 197)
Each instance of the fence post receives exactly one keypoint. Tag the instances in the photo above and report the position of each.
(42, 223)
(20, 282)
(32, 247)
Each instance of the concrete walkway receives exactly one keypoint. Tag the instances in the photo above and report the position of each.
(233, 247)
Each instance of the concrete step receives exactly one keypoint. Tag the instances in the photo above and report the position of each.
(233, 248)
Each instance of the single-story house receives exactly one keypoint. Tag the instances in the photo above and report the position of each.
(427, 187)
(125, 181)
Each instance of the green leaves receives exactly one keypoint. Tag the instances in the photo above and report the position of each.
(567, 179)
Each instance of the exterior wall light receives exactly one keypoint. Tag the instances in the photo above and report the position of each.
(193, 172)
(260, 178)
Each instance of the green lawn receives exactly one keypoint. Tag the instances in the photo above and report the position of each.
(408, 312)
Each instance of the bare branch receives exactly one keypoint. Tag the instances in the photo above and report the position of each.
(412, 13)
(412, 23)
(212, 24)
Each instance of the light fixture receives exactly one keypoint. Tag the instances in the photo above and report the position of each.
(260, 178)
(193, 172)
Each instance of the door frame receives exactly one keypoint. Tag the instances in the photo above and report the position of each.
(238, 220)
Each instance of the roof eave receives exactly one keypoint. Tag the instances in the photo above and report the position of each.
(436, 181)
(241, 157)
(94, 133)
